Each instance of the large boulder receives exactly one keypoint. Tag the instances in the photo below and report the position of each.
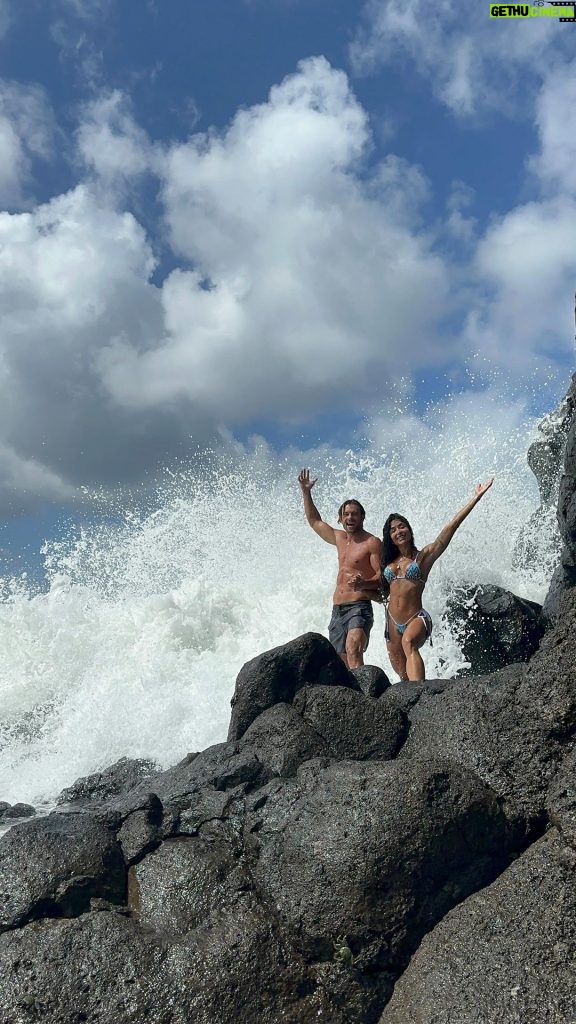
(351, 725)
(54, 866)
(105, 968)
(497, 628)
(276, 676)
(508, 953)
(511, 727)
(374, 853)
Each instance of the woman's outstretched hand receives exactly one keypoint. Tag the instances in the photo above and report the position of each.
(482, 488)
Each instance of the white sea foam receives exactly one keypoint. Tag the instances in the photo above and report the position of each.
(135, 648)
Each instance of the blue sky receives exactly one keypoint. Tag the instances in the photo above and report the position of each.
(272, 217)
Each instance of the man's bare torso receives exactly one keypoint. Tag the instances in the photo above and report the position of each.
(354, 553)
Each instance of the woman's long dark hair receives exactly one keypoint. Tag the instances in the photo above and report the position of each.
(389, 549)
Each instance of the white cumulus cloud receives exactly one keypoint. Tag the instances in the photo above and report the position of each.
(309, 276)
(472, 61)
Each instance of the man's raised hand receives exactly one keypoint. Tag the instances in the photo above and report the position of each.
(304, 480)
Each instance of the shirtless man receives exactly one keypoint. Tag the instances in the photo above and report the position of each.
(358, 582)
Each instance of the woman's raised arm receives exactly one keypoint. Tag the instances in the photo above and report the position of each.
(433, 551)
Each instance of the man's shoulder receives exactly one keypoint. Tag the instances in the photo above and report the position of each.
(373, 541)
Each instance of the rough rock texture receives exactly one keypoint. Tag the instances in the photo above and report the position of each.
(103, 968)
(540, 537)
(120, 777)
(278, 674)
(356, 852)
(371, 680)
(511, 727)
(546, 455)
(351, 725)
(564, 577)
(506, 954)
(9, 811)
(500, 628)
(54, 866)
(370, 851)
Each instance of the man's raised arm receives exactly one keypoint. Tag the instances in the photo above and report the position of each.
(313, 516)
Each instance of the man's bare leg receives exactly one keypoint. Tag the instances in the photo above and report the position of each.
(356, 644)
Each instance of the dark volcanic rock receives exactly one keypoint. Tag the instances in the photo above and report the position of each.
(275, 677)
(371, 680)
(507, 954)
(498, 627)
(9, 811)
(352, 725)
(120, 777)
(283, 740)
(545, 455)
(561, 800)
(510, 727)
(374, 852)
(106, 969)
(53, 866)
(185, 881)
(142, 830)
(565, 575)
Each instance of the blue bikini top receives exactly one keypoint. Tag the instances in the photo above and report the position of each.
(413, 573)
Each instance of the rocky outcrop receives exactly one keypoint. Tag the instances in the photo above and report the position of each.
(540, 539)
(277, 675)
(355, 853)
(497, 628)
(546, 454)
(564, 577)
(289, 875)
(10, 811)
(120, 777)
(508, 953)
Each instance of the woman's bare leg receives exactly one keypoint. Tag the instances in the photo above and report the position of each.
(412, 640)
(396, 654)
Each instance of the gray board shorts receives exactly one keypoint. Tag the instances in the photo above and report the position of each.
(358, 615)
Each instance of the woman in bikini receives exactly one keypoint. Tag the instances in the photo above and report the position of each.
(405, 570)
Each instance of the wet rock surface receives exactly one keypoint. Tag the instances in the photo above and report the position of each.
(507, 953)
(120, 777)
(291, 874)
(9, 812)
(498, 627)
(355, 852)
(277, 675)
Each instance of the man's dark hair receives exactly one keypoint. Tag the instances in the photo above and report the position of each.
(351, 501)
(389, 549)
